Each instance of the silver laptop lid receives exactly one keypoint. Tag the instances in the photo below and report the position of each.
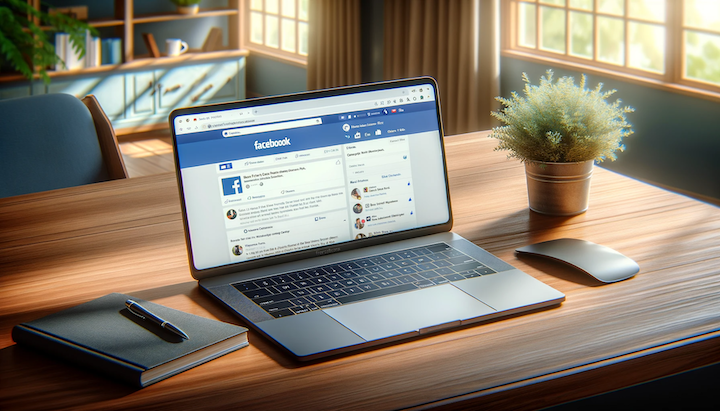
(267, 180)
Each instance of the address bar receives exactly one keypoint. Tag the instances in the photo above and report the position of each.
(272, 127)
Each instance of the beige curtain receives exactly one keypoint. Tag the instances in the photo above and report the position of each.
(333, 43)
(457, 43)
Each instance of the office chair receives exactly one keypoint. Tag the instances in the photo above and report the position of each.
(53, 141)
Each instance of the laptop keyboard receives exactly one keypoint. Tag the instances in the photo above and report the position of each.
(331, 285)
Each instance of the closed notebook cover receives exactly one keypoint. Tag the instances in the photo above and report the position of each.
(103, 334)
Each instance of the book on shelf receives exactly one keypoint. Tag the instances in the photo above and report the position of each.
(70, 52)
(104, 335)
(111, 51)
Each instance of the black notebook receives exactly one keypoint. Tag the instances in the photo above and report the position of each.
(105, 336)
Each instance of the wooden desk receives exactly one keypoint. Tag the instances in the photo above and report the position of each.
(65, 247)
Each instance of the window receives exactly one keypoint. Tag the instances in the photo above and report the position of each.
(671, 41)
(279, 27)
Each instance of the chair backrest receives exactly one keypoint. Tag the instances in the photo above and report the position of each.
(53, 141)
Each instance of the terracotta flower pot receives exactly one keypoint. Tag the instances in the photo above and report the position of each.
(559, 188)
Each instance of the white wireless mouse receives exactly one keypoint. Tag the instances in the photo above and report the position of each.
(599, 261)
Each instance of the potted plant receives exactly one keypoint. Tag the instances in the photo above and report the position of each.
(24, 43)
(187, 6)
(558, 130)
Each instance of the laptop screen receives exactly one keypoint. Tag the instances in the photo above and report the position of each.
(310, 172)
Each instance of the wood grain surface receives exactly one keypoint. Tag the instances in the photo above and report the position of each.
(64, 247)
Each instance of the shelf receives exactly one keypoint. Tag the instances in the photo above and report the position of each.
(154, 18)
(106, 23)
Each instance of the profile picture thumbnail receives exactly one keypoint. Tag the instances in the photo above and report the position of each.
(231, 214)
(356, 194)
(357, 208)
(237, 250)
(359, 223)
(360, 235)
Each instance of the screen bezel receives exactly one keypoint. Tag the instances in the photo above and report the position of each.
(323, 250)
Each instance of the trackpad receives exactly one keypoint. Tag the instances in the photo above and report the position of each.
(408, 312)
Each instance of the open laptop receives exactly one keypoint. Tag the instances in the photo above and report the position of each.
(323, 219)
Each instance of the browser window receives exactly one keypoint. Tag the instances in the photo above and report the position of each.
(273, 179)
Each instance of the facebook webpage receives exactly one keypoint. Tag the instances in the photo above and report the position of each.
(273, 188)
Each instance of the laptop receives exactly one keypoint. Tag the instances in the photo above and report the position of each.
(323, 219)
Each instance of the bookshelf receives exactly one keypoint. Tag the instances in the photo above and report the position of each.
(138, 93)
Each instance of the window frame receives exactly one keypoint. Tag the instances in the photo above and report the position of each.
(673, 78)
(275, 53)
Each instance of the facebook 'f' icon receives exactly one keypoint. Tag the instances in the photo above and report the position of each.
(231, 186)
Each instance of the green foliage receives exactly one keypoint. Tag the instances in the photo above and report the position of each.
(185, 3)
(25, 45)
(561, 122)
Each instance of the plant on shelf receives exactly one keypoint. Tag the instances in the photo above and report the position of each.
(555, 124)
(187, 6)
(24, 42)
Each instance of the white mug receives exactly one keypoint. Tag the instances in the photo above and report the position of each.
(176, 47)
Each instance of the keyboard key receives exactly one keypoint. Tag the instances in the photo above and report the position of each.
(336, 285)
(407, 270)
(245, 286)
(320, 297)
(348, 274)
(277, 306)
(260, 292)
(440, 280)
(424, 283)
(282, 313)
(375, 277)
(455, 277)
(444, 271)
(303, 283)
(467, 266)
(337, 293)
(282, 279)
(405, 279)
(391, 257)
(386, 283)
(377, 260)
(364, 263)
(380, 292)
(314, 272)
(265, 283)
(300, 301)
(334, 277)
(272, 299)
(349, 266)
(362, 280)
(319, 280)
(347, 283)
(328, 304)
(375, 269)
(485, 270)
(392, 273)
(368, 287)
(298, 275)
(460, 260)
(389, 266)
(361, 271)
(286, 287)
(405, 263)
(333, 269)
(352, 290)
(406, 254)
(442, 263)
(319, 288)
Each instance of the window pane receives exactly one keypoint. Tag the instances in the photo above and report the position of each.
(288, 35)
(615, 7)
(553, 29)
(702, 57)
(288, 8)
(703, 14)
(581, 34)
(256, 27)
(558, 2)
(271, 31)
(647, 47)
(256, 5)
(303, 12)
(526, 25)
(303, 43)
(653, 10)
(582, 4)
(271, 6)
(611, 40)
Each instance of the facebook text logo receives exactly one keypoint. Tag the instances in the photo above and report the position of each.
(272, 143)
(231, 186)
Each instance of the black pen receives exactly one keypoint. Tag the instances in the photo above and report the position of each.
(143, 313)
